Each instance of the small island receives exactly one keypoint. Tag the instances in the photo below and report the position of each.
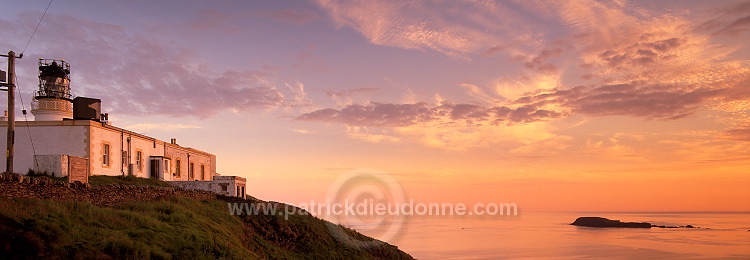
(600, 222)
(604, 222)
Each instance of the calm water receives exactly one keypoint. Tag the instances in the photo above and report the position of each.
(534, 235)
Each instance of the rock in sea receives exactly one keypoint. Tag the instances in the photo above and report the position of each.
(604, 222)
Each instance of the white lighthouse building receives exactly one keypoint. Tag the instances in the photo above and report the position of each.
(66, 127)
(52, 101)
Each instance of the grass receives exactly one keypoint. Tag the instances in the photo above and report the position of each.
(173, 228)
(126, 180)
(308, 237)
(106, 180)
(170, 228)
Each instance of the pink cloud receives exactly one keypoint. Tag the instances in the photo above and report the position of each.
(731, 20)
(650, 67)
(137, 75)
(349, 92)
(444, 28)
(400, 115)
(636, 99)
(738, 134)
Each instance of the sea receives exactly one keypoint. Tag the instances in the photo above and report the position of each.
(549, 235)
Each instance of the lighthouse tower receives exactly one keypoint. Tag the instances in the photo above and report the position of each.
(52, 101)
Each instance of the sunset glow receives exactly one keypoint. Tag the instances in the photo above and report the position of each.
(552, 105)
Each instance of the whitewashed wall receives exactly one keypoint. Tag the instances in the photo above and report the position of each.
(185, 156)
(121, 140)
(53, 164)
(236, 186)
(84, 138)
(50, 138)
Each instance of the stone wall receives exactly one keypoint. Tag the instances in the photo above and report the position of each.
(195, 185)
(17, 186)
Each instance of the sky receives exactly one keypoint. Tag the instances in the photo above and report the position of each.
(553, 105)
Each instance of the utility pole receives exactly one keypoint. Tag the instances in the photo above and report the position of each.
(11, 109)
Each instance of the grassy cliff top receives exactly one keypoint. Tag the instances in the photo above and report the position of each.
(168, 228)
(126, 180)
(96, 180)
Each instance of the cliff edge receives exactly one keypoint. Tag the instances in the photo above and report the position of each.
(53, 220)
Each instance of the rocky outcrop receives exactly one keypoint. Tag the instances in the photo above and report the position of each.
(686, 226)
(604, 222)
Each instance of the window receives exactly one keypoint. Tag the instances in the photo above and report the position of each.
(167, 165)
(177, 168)
(203, 172)
(139, 160)
(124, 158)
(191, 172)
(105, 154)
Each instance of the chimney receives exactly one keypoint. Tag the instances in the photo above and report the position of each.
(174, 140)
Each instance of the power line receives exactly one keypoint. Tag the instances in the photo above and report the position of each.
(26, 119)
(37, 27)
(23, 107)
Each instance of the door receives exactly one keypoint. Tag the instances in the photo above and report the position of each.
(154, 169)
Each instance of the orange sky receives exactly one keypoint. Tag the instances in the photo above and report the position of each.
(553, 105)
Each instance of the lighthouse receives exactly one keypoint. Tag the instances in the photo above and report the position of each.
(52, 101)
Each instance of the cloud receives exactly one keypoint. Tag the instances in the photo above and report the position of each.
(138, 75)
(478, 93)
(536, 137)
(349, 92)
(370, 135)
(730, 145)
(731, 20)
(539, 62)
(374, 114)
(549, 145)
(161, 127)
(612, 149)
(444, 28)
(619, 42)
(636, 99)
(349, 96)
(422, 114)
(643, 65)
(738, 134)
(298, 97)
(653, 66)
(302, 131)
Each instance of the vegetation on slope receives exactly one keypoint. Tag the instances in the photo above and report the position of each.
(126, 180)
(168, 228)
(106, 180)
